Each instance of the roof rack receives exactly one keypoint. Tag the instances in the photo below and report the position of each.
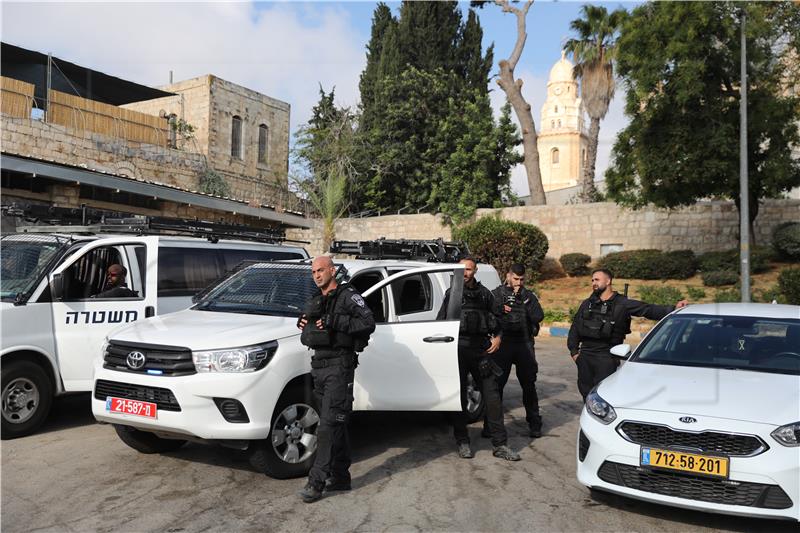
(92, 221)
(430, 250)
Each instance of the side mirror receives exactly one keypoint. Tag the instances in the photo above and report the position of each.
(57, 287)
(621, 350)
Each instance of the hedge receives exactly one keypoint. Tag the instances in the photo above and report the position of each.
(664, 295)
(650, 264)
(715, 278)
(575, 264)
(729, 260)
(789, 285)
(504, 242)
(786, 240)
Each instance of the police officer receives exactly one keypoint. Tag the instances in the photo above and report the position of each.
(336, 325)
(520, 321)
(116, 287)
(602, 321)
(478, 340)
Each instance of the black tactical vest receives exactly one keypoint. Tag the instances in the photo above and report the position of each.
(476, 318)
(597, 320)
(514, 323)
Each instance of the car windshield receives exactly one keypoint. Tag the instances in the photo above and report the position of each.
(264, 289)
(734, 342)
(24, 261)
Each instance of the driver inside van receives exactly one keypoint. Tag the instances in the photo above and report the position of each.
(115, 284)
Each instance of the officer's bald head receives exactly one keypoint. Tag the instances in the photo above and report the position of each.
(324, 273)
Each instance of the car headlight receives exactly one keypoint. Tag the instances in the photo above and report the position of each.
(599, 408)
(788, 435)
(245, 359)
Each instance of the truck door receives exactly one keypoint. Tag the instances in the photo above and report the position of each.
(411, 365)
(85, 312)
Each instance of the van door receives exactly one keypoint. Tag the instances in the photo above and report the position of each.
(87, 309)
(411, 365)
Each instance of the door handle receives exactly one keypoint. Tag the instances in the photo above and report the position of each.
(439, 339)
(149, 311)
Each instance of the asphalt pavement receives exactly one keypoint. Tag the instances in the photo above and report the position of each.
(76, 475)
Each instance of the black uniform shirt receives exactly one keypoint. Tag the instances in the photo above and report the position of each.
(350, 317)
(623, 309)
(533, 310)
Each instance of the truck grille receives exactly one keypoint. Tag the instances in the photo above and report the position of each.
(693, 487)
(163, 398)
(706, 441)
(160, 360)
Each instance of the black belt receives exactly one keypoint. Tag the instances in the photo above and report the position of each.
(327, 361)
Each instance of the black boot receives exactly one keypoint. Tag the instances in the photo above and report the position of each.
(535, 426)
(310, 493)
(334, 484)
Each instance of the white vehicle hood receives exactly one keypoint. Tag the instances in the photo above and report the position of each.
(208, 330)
(759, 397)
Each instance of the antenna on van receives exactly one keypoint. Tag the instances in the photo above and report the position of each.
(430, 250)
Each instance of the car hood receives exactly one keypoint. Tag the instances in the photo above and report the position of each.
(208, 330)
(759, 397)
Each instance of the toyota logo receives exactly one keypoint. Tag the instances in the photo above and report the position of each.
(684, 419)
(136, 360)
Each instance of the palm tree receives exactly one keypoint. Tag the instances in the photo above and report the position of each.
(593, 53)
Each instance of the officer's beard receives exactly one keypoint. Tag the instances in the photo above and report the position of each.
(598, 291)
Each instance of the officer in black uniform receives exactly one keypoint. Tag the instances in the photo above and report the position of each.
(478, 340)
(336, 325)
(520, 320)
(115, 286)
(602, 321)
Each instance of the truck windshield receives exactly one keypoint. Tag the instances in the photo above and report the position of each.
(266, 288)
(24, 260)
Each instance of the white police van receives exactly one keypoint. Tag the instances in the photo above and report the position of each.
(231, 369)
(53, 326)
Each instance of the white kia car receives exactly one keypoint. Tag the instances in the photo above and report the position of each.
(704, 414)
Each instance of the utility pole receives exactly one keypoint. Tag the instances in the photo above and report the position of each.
(744, 195)
(49, 85)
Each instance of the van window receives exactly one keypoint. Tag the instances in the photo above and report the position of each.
(231, 258)
(375, 301)
(87, 277)
(412, 294)
(186, 271)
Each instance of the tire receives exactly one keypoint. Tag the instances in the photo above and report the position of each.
(146, 442)
(292, 446)
(476, 403)
(27, 395)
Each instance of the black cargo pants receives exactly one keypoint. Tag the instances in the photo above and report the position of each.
(468, 359)
(594, 368)
(519, 352)
(333, 391)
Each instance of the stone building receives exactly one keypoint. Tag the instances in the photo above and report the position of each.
(562, 139)
(73, 136)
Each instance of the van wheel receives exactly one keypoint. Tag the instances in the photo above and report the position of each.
(476, 404)
(292, 446)
(146, 442)
(27, 397)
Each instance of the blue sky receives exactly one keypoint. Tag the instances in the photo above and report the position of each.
(283, 49)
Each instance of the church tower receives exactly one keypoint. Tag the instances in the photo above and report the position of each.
(562, 139)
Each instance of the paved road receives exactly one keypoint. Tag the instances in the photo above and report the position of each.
(77, 476)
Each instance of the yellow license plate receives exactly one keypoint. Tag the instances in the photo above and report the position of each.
(685, 462)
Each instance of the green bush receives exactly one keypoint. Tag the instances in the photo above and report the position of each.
(789, 284)
(695, 293)
(575, 264)
(664, 295)
(556, 315)
(769, 295)
(728, 295)
(715, 278)
(786, 240)
(729, 260)
(650, 264)
(504, 242)
(551, 269)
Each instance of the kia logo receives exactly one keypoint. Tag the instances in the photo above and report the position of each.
(136, 360)
(684, 419)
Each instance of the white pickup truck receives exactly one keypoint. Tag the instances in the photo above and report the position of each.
(231, 369)
(53, 325)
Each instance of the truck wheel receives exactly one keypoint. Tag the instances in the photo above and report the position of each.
(292, 446)
(146, 442)
(27, 397)
(475, 401)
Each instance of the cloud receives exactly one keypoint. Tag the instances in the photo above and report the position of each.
(282, 50)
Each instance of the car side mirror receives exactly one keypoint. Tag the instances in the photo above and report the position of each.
(621, 350)
(57, 287)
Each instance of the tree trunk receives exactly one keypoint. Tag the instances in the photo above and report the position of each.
(588, 190)
(513, 90)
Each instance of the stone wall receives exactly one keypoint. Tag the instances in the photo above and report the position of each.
(706, 226)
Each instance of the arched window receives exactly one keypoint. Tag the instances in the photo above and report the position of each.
(556, 109)
(559, 123)
(552, 123)
(263, 138)
(554, 156)
(236, 137)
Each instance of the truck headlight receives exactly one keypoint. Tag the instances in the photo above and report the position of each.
(599, 408)
(244, 359)
(788, 435)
